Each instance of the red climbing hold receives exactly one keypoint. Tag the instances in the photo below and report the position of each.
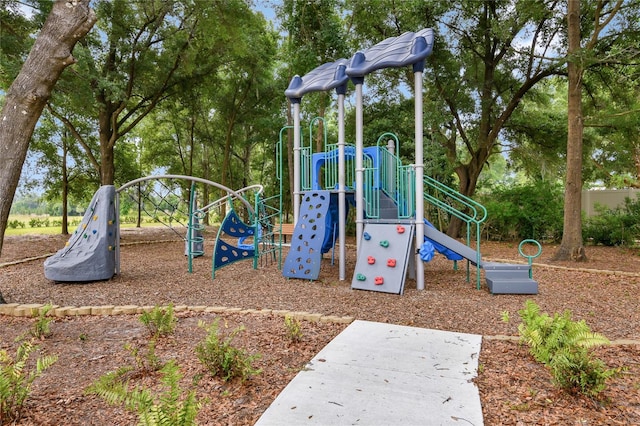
(400, 229)
(371, 260)
(379, 281)
(391, 263)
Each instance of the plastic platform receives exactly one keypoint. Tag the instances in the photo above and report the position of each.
(507, 278)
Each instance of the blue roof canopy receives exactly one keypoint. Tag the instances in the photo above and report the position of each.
(407, 49)
(325, 77)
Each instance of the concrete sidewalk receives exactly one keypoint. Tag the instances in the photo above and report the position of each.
(385, 374)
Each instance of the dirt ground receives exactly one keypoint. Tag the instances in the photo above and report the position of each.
(514, 389)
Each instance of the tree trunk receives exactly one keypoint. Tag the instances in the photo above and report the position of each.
(50, 55)
(571, 247)
(65, 187)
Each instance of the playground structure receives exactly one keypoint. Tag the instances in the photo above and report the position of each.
(392, 234)
(93, 250)
(388, 196)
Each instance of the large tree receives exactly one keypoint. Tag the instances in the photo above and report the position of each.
(593, 35)
(27, 96)
(488, 55)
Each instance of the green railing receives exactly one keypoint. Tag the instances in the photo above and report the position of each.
(468, 211)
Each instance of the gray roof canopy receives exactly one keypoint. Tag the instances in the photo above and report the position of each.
(407, 49)
(395, 52)
(325, 77)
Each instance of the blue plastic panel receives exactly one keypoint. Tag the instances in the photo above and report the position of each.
(305, 255)
(325, 77)
(225, 253)
(407, 49)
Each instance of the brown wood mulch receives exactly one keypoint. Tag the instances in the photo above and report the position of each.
(514, 389)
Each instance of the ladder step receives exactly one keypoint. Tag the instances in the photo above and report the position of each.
(512, 286)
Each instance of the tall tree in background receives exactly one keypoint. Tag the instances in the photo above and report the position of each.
(487, 56)
(315, 35)
(572, 246)
(67, 23)
(580, 57)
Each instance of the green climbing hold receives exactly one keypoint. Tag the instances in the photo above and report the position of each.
(384, 243)
(361, 277)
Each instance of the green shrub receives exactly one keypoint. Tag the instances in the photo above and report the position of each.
(37, 222)
(563, 345)
(170, 408)
(613, 227)
(16, 379)
(529, 211)
(42, 327)
(146, 361)
(221, 358)
(293, 329)
(15, 224)
(160, 321)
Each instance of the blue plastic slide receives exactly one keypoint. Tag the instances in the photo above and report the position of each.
(447, 252)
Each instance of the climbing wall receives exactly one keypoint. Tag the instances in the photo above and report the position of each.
(224, 252)
(305, 255)
(89, 255)
(383, 257)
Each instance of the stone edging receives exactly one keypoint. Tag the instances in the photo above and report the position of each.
(34, 309)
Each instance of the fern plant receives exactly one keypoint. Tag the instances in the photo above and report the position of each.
(564, 346)
(146, 360)
(42, 327)
(160, 321)
(16, 379)
(221, 358)
(169, 408)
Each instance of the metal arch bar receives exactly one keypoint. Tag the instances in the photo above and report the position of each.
(193, 179)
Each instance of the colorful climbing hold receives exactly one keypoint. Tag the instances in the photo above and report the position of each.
(84, 226)
(95, 217)
(400, 229)
(361, 277)
(391, 263)
(378, 281)
(94, 231)
(371, 260)
(366, 236)
(384, 243)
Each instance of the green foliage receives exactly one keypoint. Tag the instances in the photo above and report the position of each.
(293, 329)
(527, 211)
(171, 407)
(42, 327)
(16, 379)
(221, 358)
(160, 321)
(619, 226)
(37, 222)
(15, 224)
(146, 361)
(563, 345)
